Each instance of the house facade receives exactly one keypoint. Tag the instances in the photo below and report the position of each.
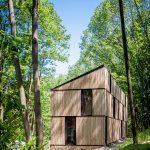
(88, 112)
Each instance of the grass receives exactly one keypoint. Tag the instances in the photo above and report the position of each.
(144, 142)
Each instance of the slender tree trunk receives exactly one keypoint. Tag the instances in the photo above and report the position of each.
(37, 101)
(1, 70)
(127, 66)
(25, 116)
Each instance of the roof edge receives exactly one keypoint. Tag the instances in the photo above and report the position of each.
(99, 67)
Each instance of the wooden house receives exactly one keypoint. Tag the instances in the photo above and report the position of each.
(88, 111)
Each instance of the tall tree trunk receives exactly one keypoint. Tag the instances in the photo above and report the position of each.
(127, 66)
(25, 116)
(37, 101)
(1, 72)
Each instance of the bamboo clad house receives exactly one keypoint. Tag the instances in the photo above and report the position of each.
(88, 111)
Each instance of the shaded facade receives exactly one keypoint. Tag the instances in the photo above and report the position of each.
(88, 111)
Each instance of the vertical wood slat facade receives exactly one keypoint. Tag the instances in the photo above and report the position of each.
(113, 130)
(120, 111)
(109, 100)
(97, 79)
(61, 99)
(116, 109)
(99, 105)
(94, 129)
(58, 131)
(90, 130)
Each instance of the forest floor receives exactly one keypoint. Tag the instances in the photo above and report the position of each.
(144, 142)
(127, 145)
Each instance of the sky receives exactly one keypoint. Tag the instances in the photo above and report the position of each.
(75, 15)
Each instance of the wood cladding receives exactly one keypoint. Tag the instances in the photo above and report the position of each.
(123, 129)
(117, 92)
(75, 147)
(99, 102)
(88, 111)
(58, 131)
(90, 130)
(66, 103)
(109, 101)
(125, 113)
(96, 79)
(120, 111)
(113, 130)
(116, 109)
(113, 86)
(123, 98)
(109, 130)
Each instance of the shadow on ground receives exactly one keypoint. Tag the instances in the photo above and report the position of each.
(136, 147)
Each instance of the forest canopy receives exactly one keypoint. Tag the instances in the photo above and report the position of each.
(101, 43)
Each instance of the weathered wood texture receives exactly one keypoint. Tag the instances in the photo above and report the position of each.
(118, 93)
(125, 113)
(97, 79)
(113, 130)
(90, 130)
(123, 98)
(75, 147)
(58, 130)
(66, 103)
(123, 129)
(116, 109)
(113, 87)
(99, 102)
(109, 130)
(109, 99)
(116, 130)
(120, 111)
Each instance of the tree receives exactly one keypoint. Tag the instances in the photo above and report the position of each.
(36, 80)
(128, 74)
(21, 89)
(102, 44)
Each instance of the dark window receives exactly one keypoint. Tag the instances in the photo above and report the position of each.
(118, 109)
(126, 129)
(86, 102)
(110, 82)
(123, 112)
(70, 127)
(121, 129)
(114, 107)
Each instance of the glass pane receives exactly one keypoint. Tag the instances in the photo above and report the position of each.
(86, 102)
(70, 130)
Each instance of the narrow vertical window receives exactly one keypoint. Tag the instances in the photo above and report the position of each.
(118, 109)
(114, 107)
(123, 113)
(110, 82)
(86, 102)
(70, 127)
(121, 129)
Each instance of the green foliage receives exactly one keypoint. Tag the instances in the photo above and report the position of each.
(144, 142)
(102, 44)
(53, 45)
